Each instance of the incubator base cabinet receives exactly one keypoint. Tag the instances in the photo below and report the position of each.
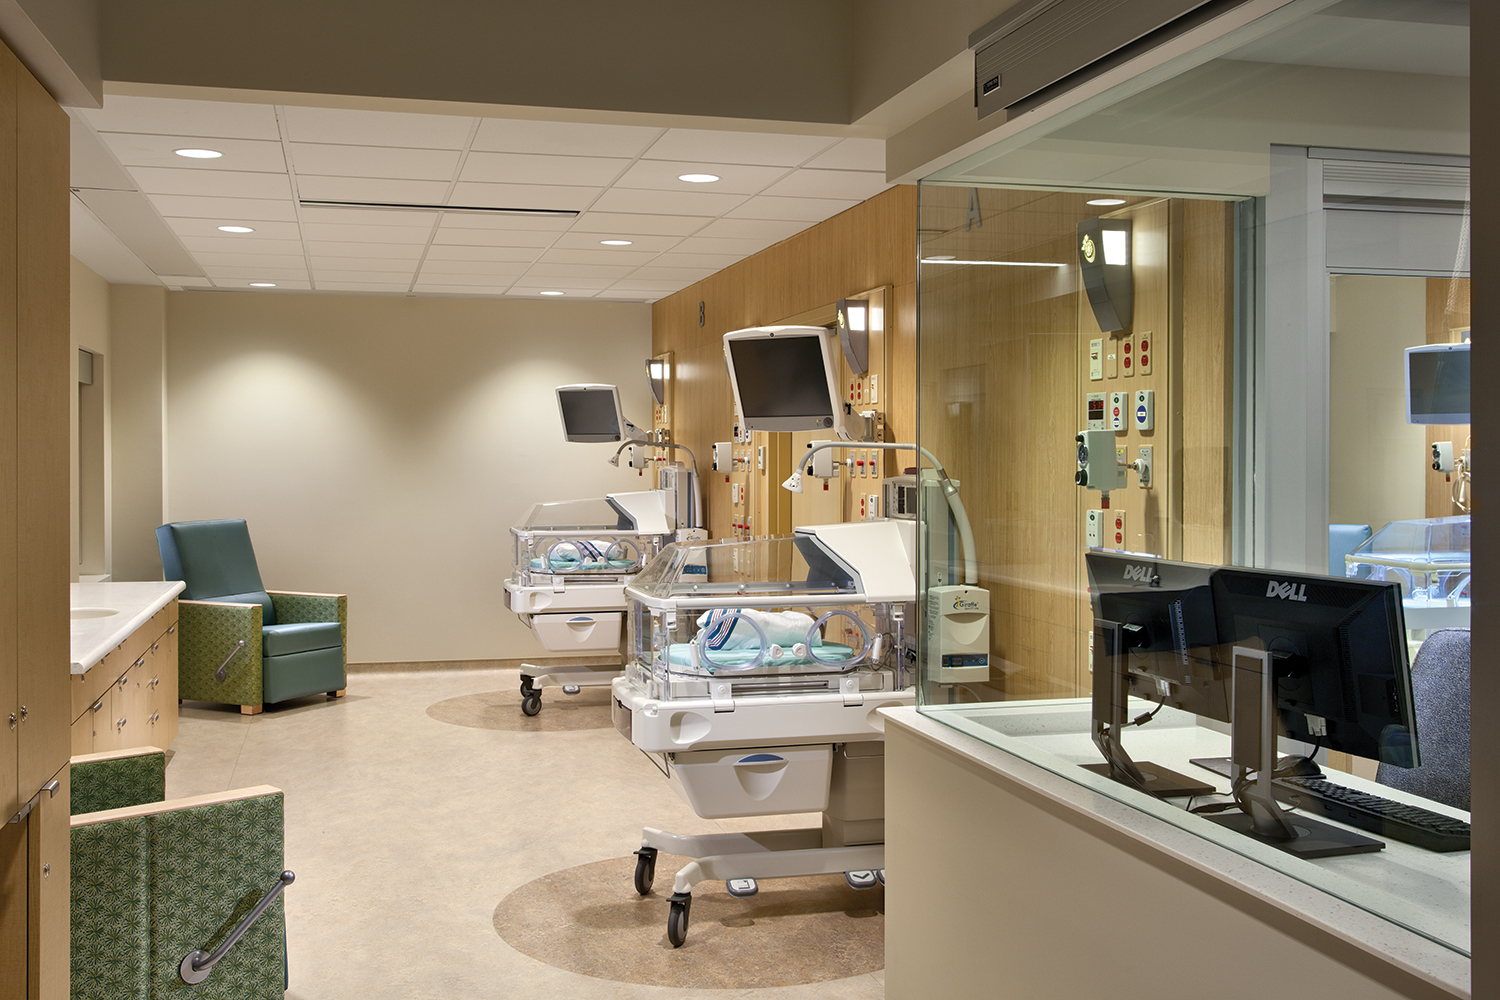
(756, 673)
(572, 561)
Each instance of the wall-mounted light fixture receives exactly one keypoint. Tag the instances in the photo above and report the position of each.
(1104, 257)
(656, 372)
(854, 333)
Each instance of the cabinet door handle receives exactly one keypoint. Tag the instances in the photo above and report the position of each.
(155, 646)
(97, 705)
(172, 630)
(23, 713)
(121, 724)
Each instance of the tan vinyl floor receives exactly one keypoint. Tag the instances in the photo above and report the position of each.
(406, 833)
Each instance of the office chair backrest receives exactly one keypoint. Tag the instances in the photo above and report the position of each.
(216, 562)
(1440, 687)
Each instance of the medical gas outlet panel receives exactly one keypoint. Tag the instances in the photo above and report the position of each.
(1114, 450)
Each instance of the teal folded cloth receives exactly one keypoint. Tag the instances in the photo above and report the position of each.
(680, 654)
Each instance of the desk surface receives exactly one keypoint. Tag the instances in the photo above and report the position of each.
(1416, 889)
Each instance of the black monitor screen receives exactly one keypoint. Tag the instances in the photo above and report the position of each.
(589, 414)
(1168, 629)
(1439, 385)
(781, 377)
(1338, 655)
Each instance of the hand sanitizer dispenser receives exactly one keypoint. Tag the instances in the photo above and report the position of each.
(958, 622)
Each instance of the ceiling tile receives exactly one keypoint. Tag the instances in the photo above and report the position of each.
(769, 230)
(374, 161)
(321, 275)
(227, 210)
(532, 168)
(171, 117)
(136, 150)
(686, 275)
(455, 291)
(595, 273)
(491, 238)
(241, 244)
(256, 273)
(363, 263)
(852, 154)
(568, 138)
(808, 210)
(657, 285)
(522, 196)
(563, 281)
(771, 149)
(393, 251)
(666, 202)
(483, 253)
(590, 241)
(210, 259)
(472, 268)
(855, 184)
(210, 228)
(211, 183)
(647, 225)
(662, 175)
(367, 234)
(598, 255)
(707, 244)
(501, 279)
(717, 261)
(362, 286)
(376, 128)
(475, 220)
(320, 188)
(368, 217)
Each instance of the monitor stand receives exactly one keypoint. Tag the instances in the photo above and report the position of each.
(1253, 747)
(1111, 693)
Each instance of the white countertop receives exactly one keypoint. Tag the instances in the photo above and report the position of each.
(1037, 749)
(131, 604)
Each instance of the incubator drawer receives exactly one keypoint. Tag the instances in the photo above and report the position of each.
(754, 781)
(581, 630)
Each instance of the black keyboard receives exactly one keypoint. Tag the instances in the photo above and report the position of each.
(1396, 820)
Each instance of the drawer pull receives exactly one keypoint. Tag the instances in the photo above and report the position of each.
(120, 725)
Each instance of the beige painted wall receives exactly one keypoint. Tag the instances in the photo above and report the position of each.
(137, 336)
(1377, 465)
(382, 447)
(89, 318)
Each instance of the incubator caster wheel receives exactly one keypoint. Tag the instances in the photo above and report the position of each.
(531, 703)
(677, 918)
(645, 869)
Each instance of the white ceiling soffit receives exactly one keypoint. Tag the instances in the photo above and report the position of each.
(351, 200)
(102, 252)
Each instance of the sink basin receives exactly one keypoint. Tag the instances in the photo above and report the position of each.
(77, 613)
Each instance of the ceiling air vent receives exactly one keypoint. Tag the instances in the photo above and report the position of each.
(1039, 43)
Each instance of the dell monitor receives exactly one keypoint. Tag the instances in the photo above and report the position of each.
(1155, 638)
(1437, 384)
(786, 378)
(591, 414)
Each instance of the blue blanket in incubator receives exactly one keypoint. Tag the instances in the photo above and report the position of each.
(681, 655)
(566, 564)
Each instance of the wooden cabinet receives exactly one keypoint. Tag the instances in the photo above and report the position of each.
(129, 698)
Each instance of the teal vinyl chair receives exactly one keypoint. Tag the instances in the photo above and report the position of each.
(241, 644)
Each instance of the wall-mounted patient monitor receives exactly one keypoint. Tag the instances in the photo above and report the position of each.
(591, 414)
(1437, 384)
(785, 379)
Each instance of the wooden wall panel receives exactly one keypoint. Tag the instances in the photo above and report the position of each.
(1207, 390)
(11, 791)
(1447, 314)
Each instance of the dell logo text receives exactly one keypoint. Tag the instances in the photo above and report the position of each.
(1140, 574)
(1287, 591)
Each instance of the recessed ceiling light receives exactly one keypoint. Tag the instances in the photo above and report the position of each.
(551, 293)
(199, 154)
(939, 256)
(262, 284)
(617, 243)
(235, 229)
(698, 178)
(1102, 202)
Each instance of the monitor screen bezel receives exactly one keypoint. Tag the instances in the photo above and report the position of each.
(614, 392)
(826, 338)
(1433, 417)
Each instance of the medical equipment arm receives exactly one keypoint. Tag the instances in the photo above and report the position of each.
(950, 492)
(697, 492)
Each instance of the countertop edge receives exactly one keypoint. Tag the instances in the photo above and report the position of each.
(83, 663)
(1416, 954)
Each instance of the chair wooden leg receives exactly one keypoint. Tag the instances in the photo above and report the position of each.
(337, 694)
(252, 709)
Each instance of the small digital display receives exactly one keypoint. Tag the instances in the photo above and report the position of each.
(1438, 386)
(589, 415)
(781, 377)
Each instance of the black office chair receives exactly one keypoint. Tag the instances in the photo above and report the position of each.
(1440, 687)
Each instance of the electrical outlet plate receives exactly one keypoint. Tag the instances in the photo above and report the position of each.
(874, 389)
(1115, 532)
(1144, 344)
(1144, 473)
(1127, 354)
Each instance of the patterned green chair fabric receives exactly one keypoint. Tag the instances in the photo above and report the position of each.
(294, 643)
(127, 778)
(161, 881)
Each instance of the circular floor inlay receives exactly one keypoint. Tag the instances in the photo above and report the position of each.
(588, 709)
(589, 920)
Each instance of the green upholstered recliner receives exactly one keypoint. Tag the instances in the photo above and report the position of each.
(283, 645)
(152, 881)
